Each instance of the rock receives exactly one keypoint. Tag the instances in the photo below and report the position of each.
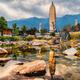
(21, 77)
(9, 68)
(16, 67)
(67, 72)
(72, 73)
(5, 59)
(30, 67)
(23, 48)
(61, 69)
(9, 49)
(70, 51)
(3, 51)
(9, 71)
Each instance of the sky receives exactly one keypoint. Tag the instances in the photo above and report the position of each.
(17, 9)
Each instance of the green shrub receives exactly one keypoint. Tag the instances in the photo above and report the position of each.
(75, 35)
(43, 49)
(16, 38)
(10, 38)
(40, 38)
(29, 38)
(52, 34)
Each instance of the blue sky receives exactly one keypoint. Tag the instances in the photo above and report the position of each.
(17, 9)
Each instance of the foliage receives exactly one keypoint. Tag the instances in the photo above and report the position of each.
(24, 29)
(10, 38)
(31, 50)
(15, 29)
(40, 38)
(75, 35)
(26, 48)
(29, 38)
(43, 31)
(43, 49)
(16, 38)
(32, 31)
(52, 34)
(3, 24)
(14, 26)
(73, 28)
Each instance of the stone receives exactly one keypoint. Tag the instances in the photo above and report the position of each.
(9, 68)
(3, 51)
(12, 68)
(9, 50)
(5, 59)
(20, 77)
(61, 69)
(70, 52)
(30, 67)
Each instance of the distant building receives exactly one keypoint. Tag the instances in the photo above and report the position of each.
(76, 21)
(76, 25)
(40, 27)
(7, 32)
(65, 35)
(52, 18)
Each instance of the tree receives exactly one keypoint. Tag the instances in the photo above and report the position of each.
(32, 31)
(43, 31)
(3, 24)
(24, 28)
(15, 29)
(52, 34)
(77, 28)
(73, 28)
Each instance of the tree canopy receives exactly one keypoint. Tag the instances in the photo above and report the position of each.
(3, 24)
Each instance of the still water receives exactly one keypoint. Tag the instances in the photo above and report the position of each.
(34, 55)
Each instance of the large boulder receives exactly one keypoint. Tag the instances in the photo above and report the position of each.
(3, 51)
(9, 68)
(61, 69)
(5, 59)
(9, 50)
(70, 51)
(32, 67)
(21, 77)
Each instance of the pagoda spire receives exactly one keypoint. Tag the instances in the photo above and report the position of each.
(52, 3)
(52, 17)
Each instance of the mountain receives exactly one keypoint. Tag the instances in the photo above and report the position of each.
(61, 22)
(31, 22)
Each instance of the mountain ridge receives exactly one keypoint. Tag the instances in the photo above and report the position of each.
(61, 22)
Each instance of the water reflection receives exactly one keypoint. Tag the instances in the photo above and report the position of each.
(38, 54)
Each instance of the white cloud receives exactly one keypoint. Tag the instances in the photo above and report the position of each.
(16, 9)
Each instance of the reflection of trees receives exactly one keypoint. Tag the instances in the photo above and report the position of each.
(52, 63)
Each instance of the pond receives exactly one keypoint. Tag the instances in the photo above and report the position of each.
(33, 54)
(71, 64)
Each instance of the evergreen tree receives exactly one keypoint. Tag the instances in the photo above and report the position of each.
(32, 31)
(43, 31)
(24, 28)
(15, 30)
(3, 24)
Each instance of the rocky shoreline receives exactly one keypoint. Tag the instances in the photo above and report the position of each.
(15, 70)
